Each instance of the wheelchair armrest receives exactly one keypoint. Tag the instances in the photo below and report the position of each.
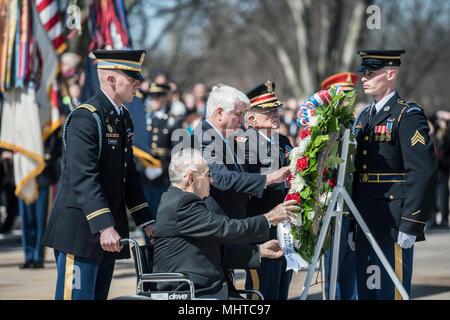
(259, 294)
(163, 276)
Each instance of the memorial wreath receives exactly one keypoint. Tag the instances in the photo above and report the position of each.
(314, 164)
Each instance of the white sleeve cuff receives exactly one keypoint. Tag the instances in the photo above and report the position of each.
(147, 223)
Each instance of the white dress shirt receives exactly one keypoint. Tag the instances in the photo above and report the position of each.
(380, 104)
(118, 109)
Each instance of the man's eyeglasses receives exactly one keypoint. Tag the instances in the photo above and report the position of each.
(208, 174)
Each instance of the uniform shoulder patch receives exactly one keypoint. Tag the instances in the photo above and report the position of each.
(413, 108)
(410, 106)
(88, 107)
(241, 139)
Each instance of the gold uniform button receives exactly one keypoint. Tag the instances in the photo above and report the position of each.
(125, 164)
(364, 152)
(165, 131)
(149, 128)
(113, 147)
(364, 166)
(153, 145)
(366, 138)
(126, 149)
(155, 138)
(155, 130)
(391, 197)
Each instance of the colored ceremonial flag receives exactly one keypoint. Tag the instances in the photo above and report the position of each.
(4, 8)
(21, 133)
(48, 32)
(34, 38)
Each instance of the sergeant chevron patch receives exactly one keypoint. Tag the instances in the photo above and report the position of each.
(417, 137)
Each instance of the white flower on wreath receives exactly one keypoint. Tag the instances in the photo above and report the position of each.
(303, 145)
(297, 184)
(298, 152)
(297, 221)
(297, 244)
(313, 121)
(325, 198)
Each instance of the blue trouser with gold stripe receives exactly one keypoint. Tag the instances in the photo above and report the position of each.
(33, 220)
(270, 279)
(82, 278)
(374, 283)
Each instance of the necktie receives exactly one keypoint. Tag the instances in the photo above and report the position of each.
(373, 111)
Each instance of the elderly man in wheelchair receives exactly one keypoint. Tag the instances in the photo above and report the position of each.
(195, 246)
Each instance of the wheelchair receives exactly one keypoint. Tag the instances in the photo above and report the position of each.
(147, 279)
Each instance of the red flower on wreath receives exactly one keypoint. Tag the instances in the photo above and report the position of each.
(325, 172)
(332, 182)
(289, 179)
(304, 133)
(302, 163)
(293, 196)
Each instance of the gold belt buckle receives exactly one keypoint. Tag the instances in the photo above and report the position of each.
(364, 177)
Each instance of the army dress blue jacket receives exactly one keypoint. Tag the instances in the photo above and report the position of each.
(396, 170)
(98, 181)
(259, 155)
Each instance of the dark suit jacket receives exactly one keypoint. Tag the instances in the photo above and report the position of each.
(232, 186)
(189, 239)
(94, 193)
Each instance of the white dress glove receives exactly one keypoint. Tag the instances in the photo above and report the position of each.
(405, 240)
(153, 173)
(350, 241)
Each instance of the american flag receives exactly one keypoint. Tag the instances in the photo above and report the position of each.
(49, 16)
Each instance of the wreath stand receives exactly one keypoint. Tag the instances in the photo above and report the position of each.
(335, 209)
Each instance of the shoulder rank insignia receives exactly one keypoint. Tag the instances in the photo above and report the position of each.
(241, 139)
(417, 137)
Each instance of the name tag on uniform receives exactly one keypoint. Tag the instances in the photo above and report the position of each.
(113, 141)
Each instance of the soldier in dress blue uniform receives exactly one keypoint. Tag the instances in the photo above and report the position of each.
(346, 277)
(160, 124)
(98, 183)
(396, 172)
(266, 150)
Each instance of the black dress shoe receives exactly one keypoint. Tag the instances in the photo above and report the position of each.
(38, 265)
(27, 265)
